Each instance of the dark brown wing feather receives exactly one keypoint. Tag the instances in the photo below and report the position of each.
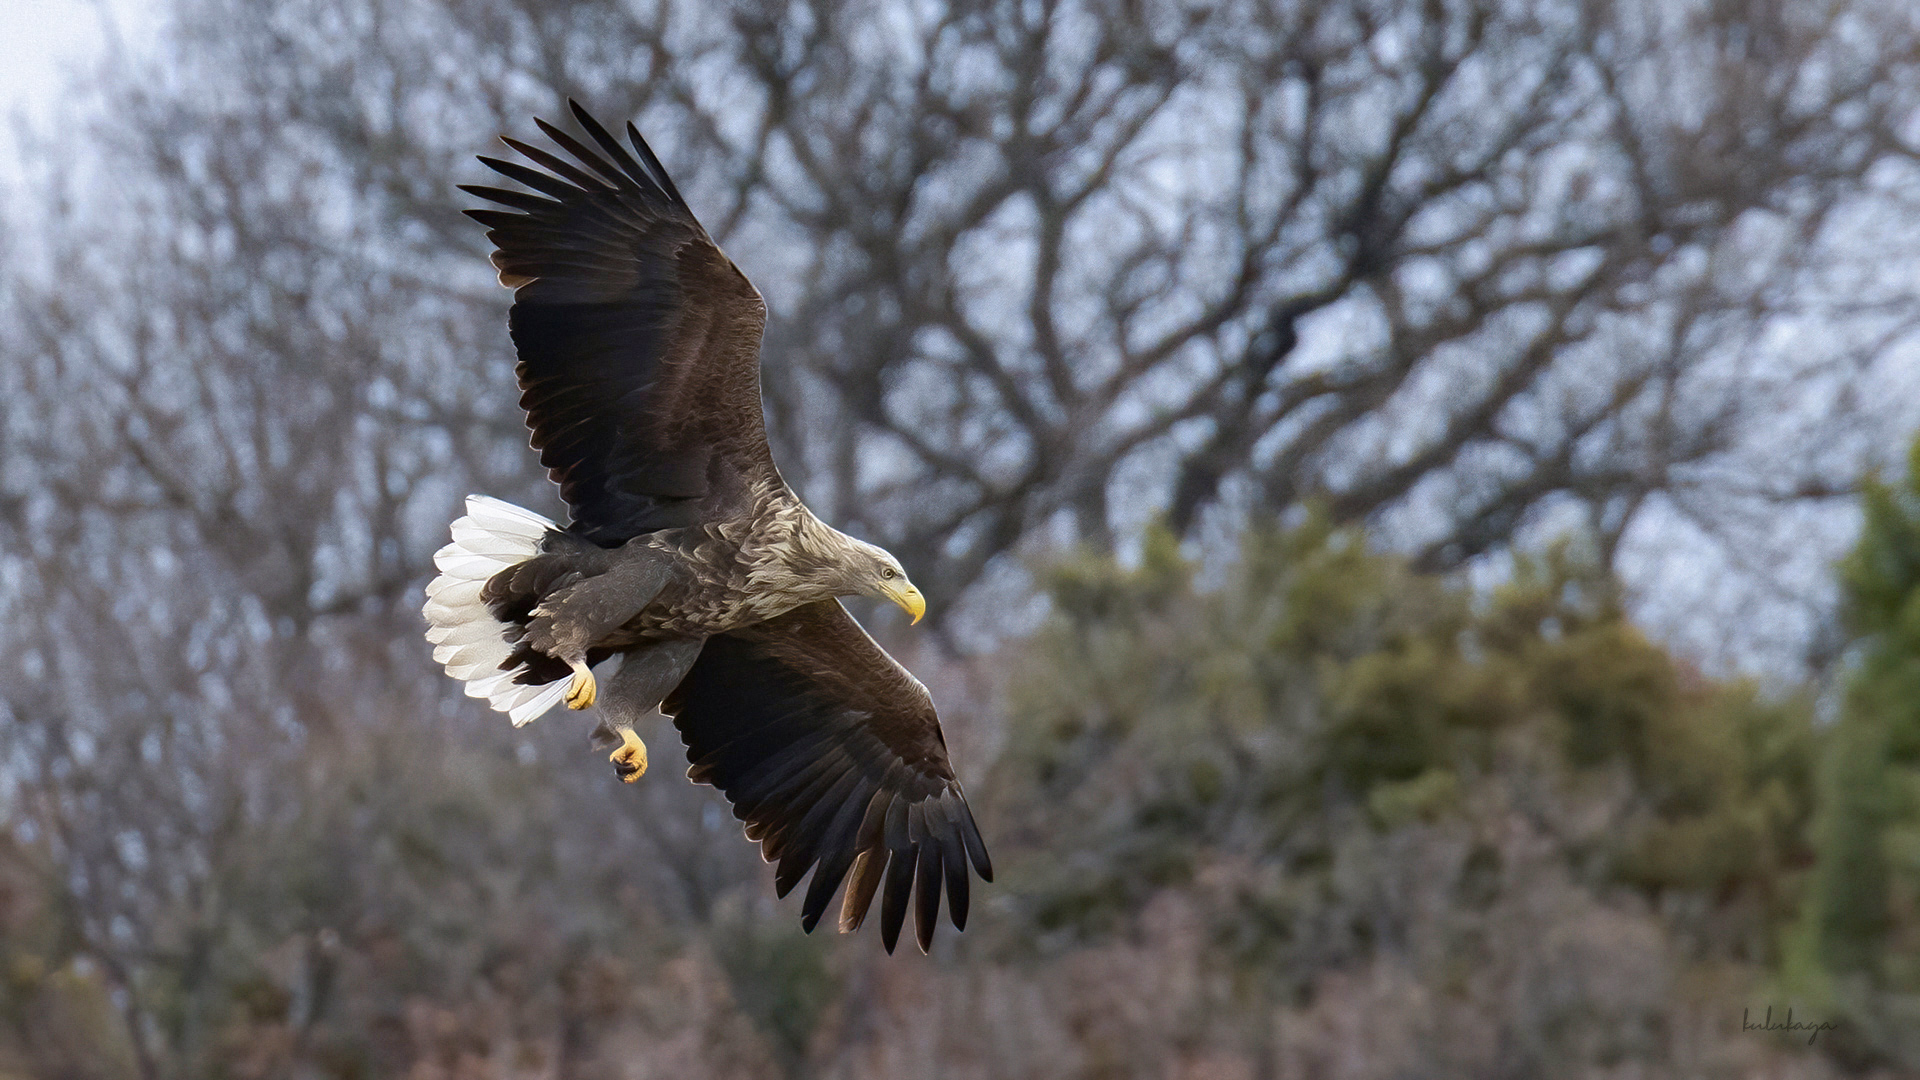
(831, 753)
(639, 341)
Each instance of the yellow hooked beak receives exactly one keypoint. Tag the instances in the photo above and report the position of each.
(902, 592)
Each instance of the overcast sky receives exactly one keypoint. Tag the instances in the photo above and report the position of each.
(37, 37)
(41, 39)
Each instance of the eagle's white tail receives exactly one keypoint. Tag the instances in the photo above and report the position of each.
(467, 639)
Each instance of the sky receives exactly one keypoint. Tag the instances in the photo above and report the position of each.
(38, 37)
(40, 40)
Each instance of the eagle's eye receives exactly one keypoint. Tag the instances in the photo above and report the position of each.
(888, 573)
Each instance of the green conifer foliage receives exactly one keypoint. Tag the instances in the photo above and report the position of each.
(1321, 714)
(1858, 933)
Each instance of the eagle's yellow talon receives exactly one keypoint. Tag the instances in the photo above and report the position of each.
(630, 758)
(581, 691)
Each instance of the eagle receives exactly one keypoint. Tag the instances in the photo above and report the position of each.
(690, 578)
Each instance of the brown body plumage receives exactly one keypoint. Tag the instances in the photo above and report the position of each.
(687, 556)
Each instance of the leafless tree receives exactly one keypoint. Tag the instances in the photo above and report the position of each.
(1440, 265)
(1048, 270)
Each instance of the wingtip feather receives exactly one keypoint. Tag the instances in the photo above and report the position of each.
(893, 902)
(862, 882)
(652, 161)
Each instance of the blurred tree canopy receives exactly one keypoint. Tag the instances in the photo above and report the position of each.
(1326, 807)
(1858, 950)
(1353, 761)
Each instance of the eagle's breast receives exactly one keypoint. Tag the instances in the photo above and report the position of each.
(740, 572)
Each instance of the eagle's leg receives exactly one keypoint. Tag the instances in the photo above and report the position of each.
(630, 757)
(581, 690)
(604, 591)
(645, 675)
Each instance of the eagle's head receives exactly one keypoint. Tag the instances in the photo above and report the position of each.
(870, 570)
(816, 561)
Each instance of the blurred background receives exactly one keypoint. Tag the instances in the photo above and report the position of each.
(1414, 496)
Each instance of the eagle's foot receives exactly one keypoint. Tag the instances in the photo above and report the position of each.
(581, 691)
(630, 758)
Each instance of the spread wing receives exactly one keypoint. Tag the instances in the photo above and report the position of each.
(831, 753)
(639, 341)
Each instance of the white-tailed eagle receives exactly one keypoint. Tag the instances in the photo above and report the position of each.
(687, 558)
